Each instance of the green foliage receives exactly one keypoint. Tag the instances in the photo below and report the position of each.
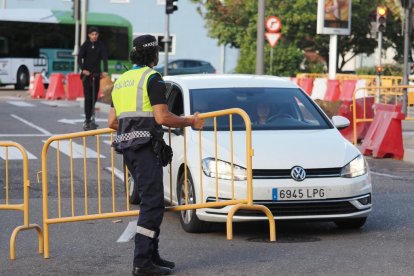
(234, 22)
(387, 70)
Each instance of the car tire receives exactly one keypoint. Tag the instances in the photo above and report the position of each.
(22, 78)
(354, 223)
(133, 190)
(188, 218)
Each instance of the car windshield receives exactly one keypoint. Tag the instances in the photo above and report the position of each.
(268, 108)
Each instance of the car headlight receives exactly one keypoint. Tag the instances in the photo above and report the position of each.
(223, 169)
(356, 167)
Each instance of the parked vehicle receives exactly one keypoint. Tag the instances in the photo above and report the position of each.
(303, 168)
(187, 66)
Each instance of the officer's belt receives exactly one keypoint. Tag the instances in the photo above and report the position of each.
(132, 135)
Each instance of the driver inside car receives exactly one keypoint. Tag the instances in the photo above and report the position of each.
(262, 113)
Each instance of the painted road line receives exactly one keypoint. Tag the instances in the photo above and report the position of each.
(21, 104)
(59, 103)
(77, 150)
(108, 142)
(75, 121)
(25, 135)
(118, 173)
(42, 130)
(387, 175)
(14, 154)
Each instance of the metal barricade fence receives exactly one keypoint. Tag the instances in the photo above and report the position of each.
(23, 207)
(383, 94)
(96, 212)
(240, 203)
(87, 186)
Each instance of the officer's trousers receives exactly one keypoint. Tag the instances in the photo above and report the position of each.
(147, 172)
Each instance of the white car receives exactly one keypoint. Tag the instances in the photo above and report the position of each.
(303, 169)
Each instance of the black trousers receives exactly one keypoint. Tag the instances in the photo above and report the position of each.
(147, 173)
(90, 91)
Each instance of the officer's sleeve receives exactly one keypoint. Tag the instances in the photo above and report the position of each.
(156, 90)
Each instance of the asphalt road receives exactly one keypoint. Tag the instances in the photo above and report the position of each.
(385, 246)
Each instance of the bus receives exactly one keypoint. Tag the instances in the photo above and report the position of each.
(42, 41)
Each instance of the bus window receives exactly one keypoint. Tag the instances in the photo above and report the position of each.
(4, 45)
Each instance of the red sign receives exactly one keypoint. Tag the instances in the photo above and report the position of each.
(273, 38)
(273, 24)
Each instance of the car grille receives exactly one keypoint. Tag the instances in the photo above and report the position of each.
(310, 173)
(307, 208)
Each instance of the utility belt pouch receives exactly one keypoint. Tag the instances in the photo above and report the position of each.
(161, 149)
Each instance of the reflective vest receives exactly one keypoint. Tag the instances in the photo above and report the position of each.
(136, 123)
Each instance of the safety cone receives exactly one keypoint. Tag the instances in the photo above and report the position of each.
(56, 89)
(31, 84)
(38, 90)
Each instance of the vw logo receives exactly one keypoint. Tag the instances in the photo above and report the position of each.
(298, 173)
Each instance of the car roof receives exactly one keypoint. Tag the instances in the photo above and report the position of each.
(197, 81)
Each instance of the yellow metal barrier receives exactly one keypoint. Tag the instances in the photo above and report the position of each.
(24, 207)
(89, 214)
(244, 203)
(392, 94)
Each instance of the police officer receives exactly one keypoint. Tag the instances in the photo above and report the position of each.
(91, 54)
(138, 110)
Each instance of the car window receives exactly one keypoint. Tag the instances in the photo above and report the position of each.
(175, 101)
(268, 108)
(176, 64)
(192, 63)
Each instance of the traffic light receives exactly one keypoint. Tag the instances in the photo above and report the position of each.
(381, 18)
(76, 9)
(378, 70)
(170, 6)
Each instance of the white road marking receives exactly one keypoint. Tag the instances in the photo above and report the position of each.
(42, 130)
(118, 173)
(21, 103)
(387, 175)
(14, 154)
(77, 150)
(108, 142)
(60, 103)
(75, 121)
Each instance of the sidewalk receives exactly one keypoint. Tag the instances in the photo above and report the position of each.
(408, 139)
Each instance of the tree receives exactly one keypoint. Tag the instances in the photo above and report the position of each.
(233, 22)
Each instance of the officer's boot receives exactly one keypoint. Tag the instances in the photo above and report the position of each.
(156, 258)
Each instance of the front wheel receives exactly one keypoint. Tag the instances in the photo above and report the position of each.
(354, 223)
(22, 78)
(188, 218)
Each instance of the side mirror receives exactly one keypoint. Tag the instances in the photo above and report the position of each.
(340, 122)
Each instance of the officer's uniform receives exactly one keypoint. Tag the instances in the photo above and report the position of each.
(133, 98)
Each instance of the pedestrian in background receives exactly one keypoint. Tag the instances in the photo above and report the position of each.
(139, 109)
(90, 56)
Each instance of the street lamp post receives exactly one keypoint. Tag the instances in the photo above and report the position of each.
(260, 38)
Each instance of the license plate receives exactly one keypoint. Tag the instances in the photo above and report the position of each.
(279, 194)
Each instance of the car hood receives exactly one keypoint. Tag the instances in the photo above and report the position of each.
(284, 149)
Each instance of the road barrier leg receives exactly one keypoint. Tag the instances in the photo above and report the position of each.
(235, 208)
(21, 228)
(46, 242)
